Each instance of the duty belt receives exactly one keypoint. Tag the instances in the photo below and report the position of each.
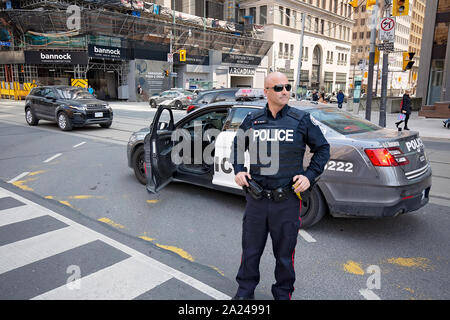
(279, 194)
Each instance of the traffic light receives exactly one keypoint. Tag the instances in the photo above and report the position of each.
(182, 55)
(400, 7)
(407, 60)
(353, 3)
(166, 73)
(370, 4)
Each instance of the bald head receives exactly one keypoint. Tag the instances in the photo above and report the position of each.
(274, 78)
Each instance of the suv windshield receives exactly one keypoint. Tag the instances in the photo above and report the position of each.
(75, 94)
(342, 122)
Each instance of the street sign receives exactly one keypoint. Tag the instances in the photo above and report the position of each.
(387, 29)
(173, 74)
(170, 57)
(386, 46)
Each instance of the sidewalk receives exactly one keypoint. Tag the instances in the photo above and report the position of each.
(427, 127)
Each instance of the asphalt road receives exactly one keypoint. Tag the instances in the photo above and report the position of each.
(198, 231)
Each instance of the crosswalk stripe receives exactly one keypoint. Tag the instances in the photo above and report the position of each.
(13, 215)
(20, 258)
(124, 280)
(21, 253)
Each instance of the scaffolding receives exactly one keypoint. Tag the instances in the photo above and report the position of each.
(108, 18)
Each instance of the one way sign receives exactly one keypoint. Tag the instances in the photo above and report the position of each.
(387, 29)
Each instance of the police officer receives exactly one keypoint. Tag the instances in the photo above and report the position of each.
(277, 212)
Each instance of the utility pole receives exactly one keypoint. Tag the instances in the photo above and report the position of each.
(299, 71)
(384, 78)
(373, 36)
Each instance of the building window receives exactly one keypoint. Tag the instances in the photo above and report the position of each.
(281, 11)
(316, 25)
(252, 13)
(263, 15)
(355, 35)
(280, 51)
(288, 17)
(291, 55)
(322, 26)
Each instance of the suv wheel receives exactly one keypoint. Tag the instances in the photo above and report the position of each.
(138, 161)
(178, 105)
(106, 125)
(30, 118)
(64, 122)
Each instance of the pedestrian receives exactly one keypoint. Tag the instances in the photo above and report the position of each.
(405, 109)
(91, 90)
(322, 98)
(272, 205)
(315, 96)
(139, 89)
(340, 99)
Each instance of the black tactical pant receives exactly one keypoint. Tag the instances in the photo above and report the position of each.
(282, 221)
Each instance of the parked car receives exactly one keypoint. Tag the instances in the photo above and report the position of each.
(223, 95)
(175, 98)
(372, 171)
(67, 106)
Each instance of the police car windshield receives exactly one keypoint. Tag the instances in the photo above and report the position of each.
(342, 122)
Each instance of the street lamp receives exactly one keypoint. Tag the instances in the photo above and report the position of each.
(300, 55)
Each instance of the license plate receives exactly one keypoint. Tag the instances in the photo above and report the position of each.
(98, 114)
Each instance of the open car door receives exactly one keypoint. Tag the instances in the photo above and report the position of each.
(158, 146)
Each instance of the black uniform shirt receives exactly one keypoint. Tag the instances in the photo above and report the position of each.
(292, 129)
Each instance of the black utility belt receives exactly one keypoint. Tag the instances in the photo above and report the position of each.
(277, 195)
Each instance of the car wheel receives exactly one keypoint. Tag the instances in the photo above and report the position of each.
(106, 125)
(30, 117)
(313, 208)
(178, 105)
(138, 161)
(152, 104)
(64, 122)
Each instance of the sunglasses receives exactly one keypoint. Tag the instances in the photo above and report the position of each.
(279, 87)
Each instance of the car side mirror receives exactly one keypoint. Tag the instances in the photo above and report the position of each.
(163, 126)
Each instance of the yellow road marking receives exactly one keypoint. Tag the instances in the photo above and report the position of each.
(66, 203)
(36, 172)
(174, 249)
(422, 263)
(353, 267)
(152, 201)
(111, 223)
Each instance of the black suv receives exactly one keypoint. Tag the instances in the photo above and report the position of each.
(68, 106)
(215, 95)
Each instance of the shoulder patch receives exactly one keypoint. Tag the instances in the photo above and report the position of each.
(296, 114)
(256, 114)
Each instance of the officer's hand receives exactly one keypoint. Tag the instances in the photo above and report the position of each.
(403, 111)
(301, 183)
(241, 179)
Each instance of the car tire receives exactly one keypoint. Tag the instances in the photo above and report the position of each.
(30, 117)
(152, 104)
(138, 161)
(313, 209)
(64, 122)
(106, 125)
(178, 105)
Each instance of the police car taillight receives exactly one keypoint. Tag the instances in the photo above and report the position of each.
(387, 157)
(381, 157)
(398, 155)
(189, 108)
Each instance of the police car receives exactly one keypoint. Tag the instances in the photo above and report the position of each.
(372, 171)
